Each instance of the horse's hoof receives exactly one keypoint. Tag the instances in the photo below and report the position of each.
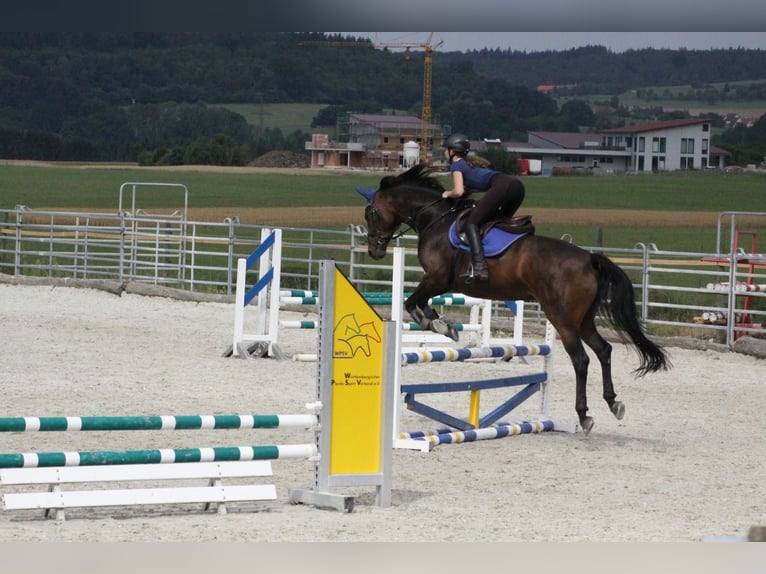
(587, 425)
(443, 328)
(618, 410)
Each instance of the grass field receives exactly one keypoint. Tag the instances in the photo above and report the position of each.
(746, 108)
(674, 211)
(287, 117)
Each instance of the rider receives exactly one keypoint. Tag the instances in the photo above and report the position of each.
(504, 195)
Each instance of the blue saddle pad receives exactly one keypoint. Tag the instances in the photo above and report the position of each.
(494, 242)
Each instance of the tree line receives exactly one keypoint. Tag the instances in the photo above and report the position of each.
(598, 70)
(148, 97)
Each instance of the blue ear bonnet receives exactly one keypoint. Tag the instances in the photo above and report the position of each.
(368, 194)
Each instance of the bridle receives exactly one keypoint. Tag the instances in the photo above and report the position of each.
(383, 239)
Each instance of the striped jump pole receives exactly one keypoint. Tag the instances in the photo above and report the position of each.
(457, 326)
(302, 300)
(447, 436)
(298, 293)
(453, 301)
(453, 355)
(468, 353)
(157, 456)
(311, 324)
(307, 324)
(168, 422)
(448, 299)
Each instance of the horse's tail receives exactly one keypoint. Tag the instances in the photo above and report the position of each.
(617, 301)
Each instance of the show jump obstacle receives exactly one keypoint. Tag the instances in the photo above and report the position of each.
(355, 423)
(71, 475)
(352, 423)
(474, 426)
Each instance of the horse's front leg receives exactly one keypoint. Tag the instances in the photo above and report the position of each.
(425, 315)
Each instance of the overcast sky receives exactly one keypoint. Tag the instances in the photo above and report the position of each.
(541, 41)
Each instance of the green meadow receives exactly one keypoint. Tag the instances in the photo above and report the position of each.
(695, 197)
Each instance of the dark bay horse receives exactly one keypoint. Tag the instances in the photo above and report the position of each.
(571, 285)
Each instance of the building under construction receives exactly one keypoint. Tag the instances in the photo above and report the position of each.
(377, 141)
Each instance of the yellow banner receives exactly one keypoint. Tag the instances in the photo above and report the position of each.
(357, 383)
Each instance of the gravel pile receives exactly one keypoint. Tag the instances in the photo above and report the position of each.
(281, 158)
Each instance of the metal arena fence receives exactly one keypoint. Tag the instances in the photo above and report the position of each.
(678, 293)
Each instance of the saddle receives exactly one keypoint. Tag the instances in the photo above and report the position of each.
(518, 225)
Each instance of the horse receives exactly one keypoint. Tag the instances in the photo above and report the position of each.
(572, 286)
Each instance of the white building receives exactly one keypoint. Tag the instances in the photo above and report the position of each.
(657, 146)
(662, 146)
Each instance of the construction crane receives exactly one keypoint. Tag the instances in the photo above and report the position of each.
(425, 116)
(428, 46)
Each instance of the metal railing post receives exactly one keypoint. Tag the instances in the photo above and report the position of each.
(231, 221)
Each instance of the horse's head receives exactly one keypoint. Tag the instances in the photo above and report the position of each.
(382, 222)
(400, 199)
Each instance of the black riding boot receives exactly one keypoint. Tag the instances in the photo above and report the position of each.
(479, 265)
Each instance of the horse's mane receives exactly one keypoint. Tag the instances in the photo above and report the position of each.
(419, 174)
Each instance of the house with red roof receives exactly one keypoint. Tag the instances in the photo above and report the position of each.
(651, 147)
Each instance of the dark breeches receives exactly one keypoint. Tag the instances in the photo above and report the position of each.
(504, 195)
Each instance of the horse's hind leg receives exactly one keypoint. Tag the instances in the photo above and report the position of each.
(603, 351)
(580, 361)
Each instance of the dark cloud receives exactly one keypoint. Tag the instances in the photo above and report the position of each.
(546, 15)
(448, 15)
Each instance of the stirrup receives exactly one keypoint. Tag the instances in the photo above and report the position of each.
(470, 274)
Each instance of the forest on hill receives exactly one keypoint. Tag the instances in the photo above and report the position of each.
(108, 96)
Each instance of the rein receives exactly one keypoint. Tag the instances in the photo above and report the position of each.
(436, 220)
(410, 222)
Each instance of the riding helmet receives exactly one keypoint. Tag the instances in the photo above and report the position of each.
(458, 142)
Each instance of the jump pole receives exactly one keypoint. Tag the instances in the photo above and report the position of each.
(156, 456)
(446, 436)
(158, 422)
(358, 357)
